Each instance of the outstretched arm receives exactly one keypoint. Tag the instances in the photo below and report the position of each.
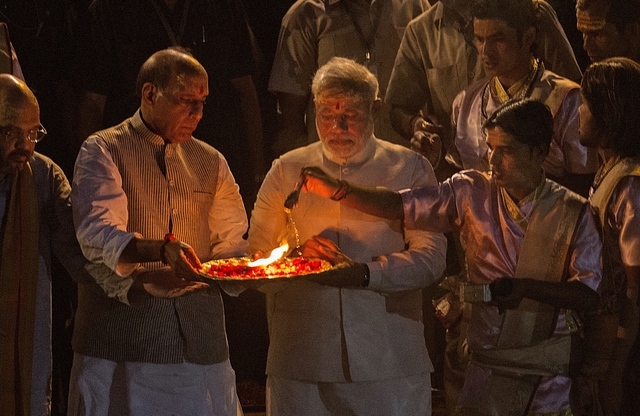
(507, 292)
(378, 201)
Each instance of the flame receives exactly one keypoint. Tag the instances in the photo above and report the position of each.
(276, 254)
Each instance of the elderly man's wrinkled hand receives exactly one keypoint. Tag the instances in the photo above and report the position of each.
(344, 273)
(164, 283)
(183, 260)
(318, 247)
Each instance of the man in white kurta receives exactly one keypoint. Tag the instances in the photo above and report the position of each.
(348, 350)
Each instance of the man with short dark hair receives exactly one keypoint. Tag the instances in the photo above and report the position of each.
(519, 330)
(154, 335)
(609, 28)
(36, 224)
(437, 59)
(505, 35)
(116, 37)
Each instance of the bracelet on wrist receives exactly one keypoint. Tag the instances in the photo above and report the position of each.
(169, 237)
(341, 192)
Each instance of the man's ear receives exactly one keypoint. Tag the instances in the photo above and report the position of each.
(540, 152)
(149, 93)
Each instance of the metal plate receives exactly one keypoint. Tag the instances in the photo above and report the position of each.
(278, 270)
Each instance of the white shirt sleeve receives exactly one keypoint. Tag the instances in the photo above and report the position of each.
(227, 217)
(100, 212)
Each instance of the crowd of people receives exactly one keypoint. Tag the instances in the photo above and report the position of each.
(415, 131)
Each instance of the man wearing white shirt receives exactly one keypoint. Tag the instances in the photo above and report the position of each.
(147, 194)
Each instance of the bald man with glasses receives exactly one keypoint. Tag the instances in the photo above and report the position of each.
(36, 225)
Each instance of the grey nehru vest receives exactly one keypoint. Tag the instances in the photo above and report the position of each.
(187, 328)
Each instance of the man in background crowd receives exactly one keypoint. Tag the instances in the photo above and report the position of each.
(314, 31)
(609, 122)
(609, 28)
(437, 59)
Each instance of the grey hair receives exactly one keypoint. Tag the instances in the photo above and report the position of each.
(342, 76)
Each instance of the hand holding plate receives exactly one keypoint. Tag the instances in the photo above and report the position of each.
(344, 273)
(182, 259)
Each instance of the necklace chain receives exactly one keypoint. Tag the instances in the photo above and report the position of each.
(521, 93)
(515, 209)
(604, 170)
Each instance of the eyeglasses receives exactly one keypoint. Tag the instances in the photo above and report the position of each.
(12, 134)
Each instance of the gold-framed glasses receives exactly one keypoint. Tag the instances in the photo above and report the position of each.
(12, 134)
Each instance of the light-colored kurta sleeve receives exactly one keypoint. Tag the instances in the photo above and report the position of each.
(268, 225)
(431, 207)
(100, 210)
(268, 228)
(586, 252)
(227, 217)
(577, 158)
(422, 262)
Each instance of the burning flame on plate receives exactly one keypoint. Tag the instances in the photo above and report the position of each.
(276, 254)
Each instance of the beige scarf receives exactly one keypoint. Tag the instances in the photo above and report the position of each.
(18, 284)
(526, 349)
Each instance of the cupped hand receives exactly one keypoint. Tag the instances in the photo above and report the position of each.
(319, 247)
(183, 260)
(164, 283)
